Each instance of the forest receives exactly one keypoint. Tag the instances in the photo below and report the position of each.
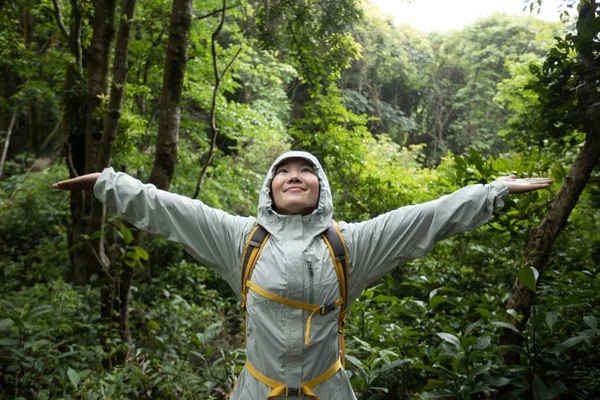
(198, 97)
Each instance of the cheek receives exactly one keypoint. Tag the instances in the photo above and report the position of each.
(276, 187)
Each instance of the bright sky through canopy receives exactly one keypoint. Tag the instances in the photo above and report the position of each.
(439, 15)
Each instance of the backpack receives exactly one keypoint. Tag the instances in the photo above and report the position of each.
(337, 248)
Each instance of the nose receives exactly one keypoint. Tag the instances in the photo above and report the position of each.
(294, 176)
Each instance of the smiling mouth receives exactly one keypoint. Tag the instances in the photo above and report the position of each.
(294, 189)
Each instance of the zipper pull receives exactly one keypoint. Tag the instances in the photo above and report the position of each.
(310, 269)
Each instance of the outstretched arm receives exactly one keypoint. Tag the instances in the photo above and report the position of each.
(83, 182)
(378, 245)
(212, 236)
(516, 185)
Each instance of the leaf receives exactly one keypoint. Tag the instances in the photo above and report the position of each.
(6, 322)
(483, 342)
(551, 318)
(127, 235)
(437, 300)
(506, 325)
(567, 344)
(356, 362)
(394, 364)
(438, 394)
(141, 253)
(484, 312)
(467, 342)
(8, 342)
(73, 377)
(540, 390)
(591, 321)
(416, 285)
(448, 337)
(527, 277)
(497, 381)
(556, 389)
(480, 369)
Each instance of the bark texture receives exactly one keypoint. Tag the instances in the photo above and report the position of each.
(170, 99)
(543, 236)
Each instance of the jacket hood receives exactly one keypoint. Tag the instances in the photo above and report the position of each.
(318, 220)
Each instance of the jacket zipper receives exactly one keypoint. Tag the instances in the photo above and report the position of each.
(311, 286)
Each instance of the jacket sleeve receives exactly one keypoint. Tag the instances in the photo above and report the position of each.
(212, 236)
(378, 245)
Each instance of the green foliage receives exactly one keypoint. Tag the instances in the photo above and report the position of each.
(315, 76)
(33, 231)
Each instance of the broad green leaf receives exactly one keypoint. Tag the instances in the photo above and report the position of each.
(484, 312)
(127, 235)
(439, 394)
(483, 342)
(8, 342)
(480, 369)
(141, 253)
(6, 322)
(437, 300)
(356, 362)
(496, 381)
(394, 364)
(556, 389)
(506, 325)
(512, 312)
(551, 318)
(567, 344)
(465, 343)
(416, 285)
(591, 321)
(73, 377)
(450, 338)
(540, 390)
(527, 277)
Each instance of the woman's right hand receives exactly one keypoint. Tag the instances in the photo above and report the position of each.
(83, 182)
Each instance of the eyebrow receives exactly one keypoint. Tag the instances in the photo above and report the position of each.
(302, 164)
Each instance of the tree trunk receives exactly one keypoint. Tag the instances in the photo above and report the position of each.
(89, 261)
(115, 293)
(74, 131)
(543, 236)
(117, 87)
(7, 141)
(170, 99)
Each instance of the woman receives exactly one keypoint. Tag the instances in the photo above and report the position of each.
(295, 207)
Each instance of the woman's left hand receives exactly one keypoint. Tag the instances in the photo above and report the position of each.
(516, 185)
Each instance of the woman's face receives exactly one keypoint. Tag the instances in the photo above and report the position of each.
(295, 187)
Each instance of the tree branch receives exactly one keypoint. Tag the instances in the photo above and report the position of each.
(59, 19)
(8, 135)
(218, 78)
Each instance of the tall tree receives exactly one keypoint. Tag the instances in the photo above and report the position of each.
(570, 76)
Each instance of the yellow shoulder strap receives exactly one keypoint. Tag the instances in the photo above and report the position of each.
(256, 241)
(337, 248)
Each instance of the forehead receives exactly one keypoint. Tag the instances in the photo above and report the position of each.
(295, 161)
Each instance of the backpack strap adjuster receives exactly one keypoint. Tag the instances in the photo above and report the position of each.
(326, 309)
(293, 391)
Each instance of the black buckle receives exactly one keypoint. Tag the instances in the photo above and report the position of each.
(293, 391)
(326, 309)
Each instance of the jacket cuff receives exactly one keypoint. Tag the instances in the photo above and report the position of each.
(501, 191)
(101, 183)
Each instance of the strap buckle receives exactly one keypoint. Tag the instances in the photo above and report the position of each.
(326, 309)
(293, 391)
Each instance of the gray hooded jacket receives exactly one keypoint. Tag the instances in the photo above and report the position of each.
(296, 264)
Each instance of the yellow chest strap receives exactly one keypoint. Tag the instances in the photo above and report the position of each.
(322, 309)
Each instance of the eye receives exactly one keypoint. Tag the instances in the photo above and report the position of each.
(281, 171)
(307, 169)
